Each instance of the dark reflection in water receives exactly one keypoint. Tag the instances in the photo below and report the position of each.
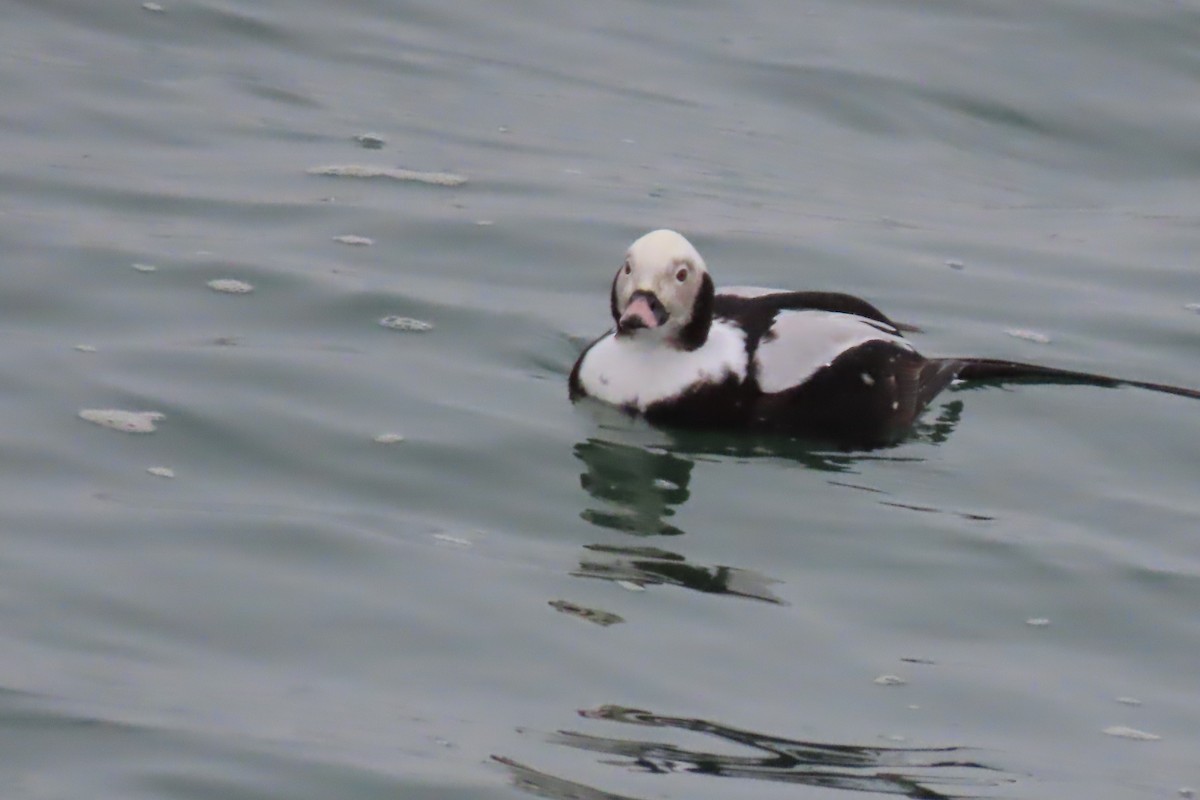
(543, 784)
(637, 487)
(911, 772)
(640, 486)
(650, 565)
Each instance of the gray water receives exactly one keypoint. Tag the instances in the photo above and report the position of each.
(525, 597)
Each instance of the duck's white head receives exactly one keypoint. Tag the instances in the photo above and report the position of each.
(663, 292)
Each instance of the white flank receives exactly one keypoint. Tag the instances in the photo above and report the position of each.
(623, 371)
(806, 341)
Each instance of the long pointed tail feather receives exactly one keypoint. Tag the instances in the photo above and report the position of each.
(995, 369)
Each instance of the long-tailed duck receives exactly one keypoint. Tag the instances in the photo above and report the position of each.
(818, 365)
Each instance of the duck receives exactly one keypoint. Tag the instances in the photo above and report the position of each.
(817, 365)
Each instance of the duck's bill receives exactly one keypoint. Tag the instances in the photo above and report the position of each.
(642, 313)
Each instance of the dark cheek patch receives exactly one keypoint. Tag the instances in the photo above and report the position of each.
(612, 298)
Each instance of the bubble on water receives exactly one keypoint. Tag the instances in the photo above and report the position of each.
(230, 286)
(145, 268)
(1128, 701)
(406, 324)
(890, 680)
(161, 472)
(393, 173)
(125, 421)
(370, 141)
(1027, 335)
(353, 240)
(86, 348)
(1122, 732)
(1037, 622)
(389, 438)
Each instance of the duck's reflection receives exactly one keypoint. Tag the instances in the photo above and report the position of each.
(637, 479)
(911, 772)
(639, 487)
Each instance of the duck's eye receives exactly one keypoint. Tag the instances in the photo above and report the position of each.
(628, 268)
(681, 275)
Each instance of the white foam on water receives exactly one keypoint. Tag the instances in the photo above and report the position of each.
(1122, 732)
(124, 421)
(145, 268)
(161, 472)
(1128, 701)
(394, 173)
(1027, 335)
(353, 240)
(890, 680)
(406, 324)
(86, 348)
(230, 286)
(1037, 622)
(389, 438)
